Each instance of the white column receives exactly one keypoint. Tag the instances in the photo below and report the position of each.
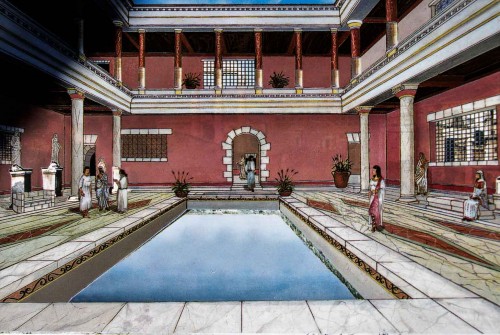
(117, 139)
(363, 112)
(406, 94)
(76, 138)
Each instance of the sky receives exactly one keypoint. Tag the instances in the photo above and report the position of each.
(232, 2)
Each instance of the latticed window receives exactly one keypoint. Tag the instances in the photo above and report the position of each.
(235, 73)
(5, 147)
(144, 147)
(467, 138)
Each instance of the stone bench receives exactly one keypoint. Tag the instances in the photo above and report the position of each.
(24, 202)
(456, 204)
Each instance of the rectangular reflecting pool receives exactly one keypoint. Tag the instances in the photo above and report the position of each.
(220, 255)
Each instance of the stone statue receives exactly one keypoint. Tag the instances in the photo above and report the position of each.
(55, 150)
(421, 174)
(16, 149)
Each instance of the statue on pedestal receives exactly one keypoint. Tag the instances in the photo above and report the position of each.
(16, 151)
(421, 174)
(55, 150)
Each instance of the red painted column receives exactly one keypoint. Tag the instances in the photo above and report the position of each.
(178, 60)
(258, 60)
(218, 59)
(142, 60)
(118, 49)
(354, 26)
(298, 59)
(391, 12)
(334, 63)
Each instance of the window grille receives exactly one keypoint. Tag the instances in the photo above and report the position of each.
(467, 138)
(235, 73)
(5, 147)
(144, 147)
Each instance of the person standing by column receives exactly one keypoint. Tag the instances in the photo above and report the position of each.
(250, 168)
(377, 194)
(122, 196)
(421, 174)
(101, 189)
(85, 192)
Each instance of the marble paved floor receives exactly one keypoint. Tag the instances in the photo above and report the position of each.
(477, 312)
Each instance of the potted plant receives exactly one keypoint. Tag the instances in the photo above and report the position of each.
(285, 184)
(191, 80)
(278, 80)
(181, 185)
(341, 170)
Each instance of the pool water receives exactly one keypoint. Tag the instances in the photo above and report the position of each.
(219, 257)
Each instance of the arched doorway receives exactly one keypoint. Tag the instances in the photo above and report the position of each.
(244, 146)
(249, 140)
(90, 160)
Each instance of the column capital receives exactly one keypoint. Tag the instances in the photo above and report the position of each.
(116, 112)
(405, 90)
(141, 31)
(178, 31)
(218, 30)
(363, 109)
(297, 30)
(76, 94)
(118, 23)
(334, 30)
(258, 30)
(354, 24)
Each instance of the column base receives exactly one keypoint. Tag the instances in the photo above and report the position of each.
(391, 52)
(178, 91)
(299, 90)
(258, 90)
(218, 91)
(407, 198)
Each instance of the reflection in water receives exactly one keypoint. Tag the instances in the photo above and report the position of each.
(219, 257)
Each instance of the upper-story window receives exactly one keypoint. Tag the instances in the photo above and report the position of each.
(5, 147)
(468, 137)
(235, 73)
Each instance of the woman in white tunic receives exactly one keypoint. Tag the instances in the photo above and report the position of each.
(478, 197)
(122, 196)
(377, 194)
(85, 191)
(250, 169)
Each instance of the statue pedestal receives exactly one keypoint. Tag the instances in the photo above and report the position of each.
(52, 179)
(20, 182)
(115, 173)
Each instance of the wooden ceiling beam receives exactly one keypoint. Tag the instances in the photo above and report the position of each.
(132, 40)
(291, 46)
(375, 20)
(186, 44)
(445, 81)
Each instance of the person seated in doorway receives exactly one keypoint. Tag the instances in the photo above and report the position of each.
(85, 192)
(250, 170)
(122, 195)
(479, 197)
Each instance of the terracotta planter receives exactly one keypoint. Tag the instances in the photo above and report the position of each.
(341, 179)
(285, 193)
(181, 194)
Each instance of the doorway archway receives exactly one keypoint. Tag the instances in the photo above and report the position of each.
(250, 135)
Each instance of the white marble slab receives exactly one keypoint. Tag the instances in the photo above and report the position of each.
(145, 213)
(430, 283)
(374, 253)
(12, 316)
(479, 313)
(14, 253)
(72, 317)
(346, 234)
(64, 253)
(21, 274)
(324, 221)
(349, 316)
(210, 317)
(308, 211)
(277, 317)
(422, 316)
(99, 236)
(125, 223)
(146, 318)
(298, 205)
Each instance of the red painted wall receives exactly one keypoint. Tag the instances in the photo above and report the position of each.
(160, 70)
(39, 126)
(376, 128)
(460, 177)
(196, 144)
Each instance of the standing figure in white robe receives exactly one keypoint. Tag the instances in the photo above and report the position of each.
(377, 194)
(122, 195)
(479, 197)
(250, 169)
(85, 192)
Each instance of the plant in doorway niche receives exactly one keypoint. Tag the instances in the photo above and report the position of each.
(341, 170)
(181, 184)
(285, 183)
(278, 80)
(191, 80)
